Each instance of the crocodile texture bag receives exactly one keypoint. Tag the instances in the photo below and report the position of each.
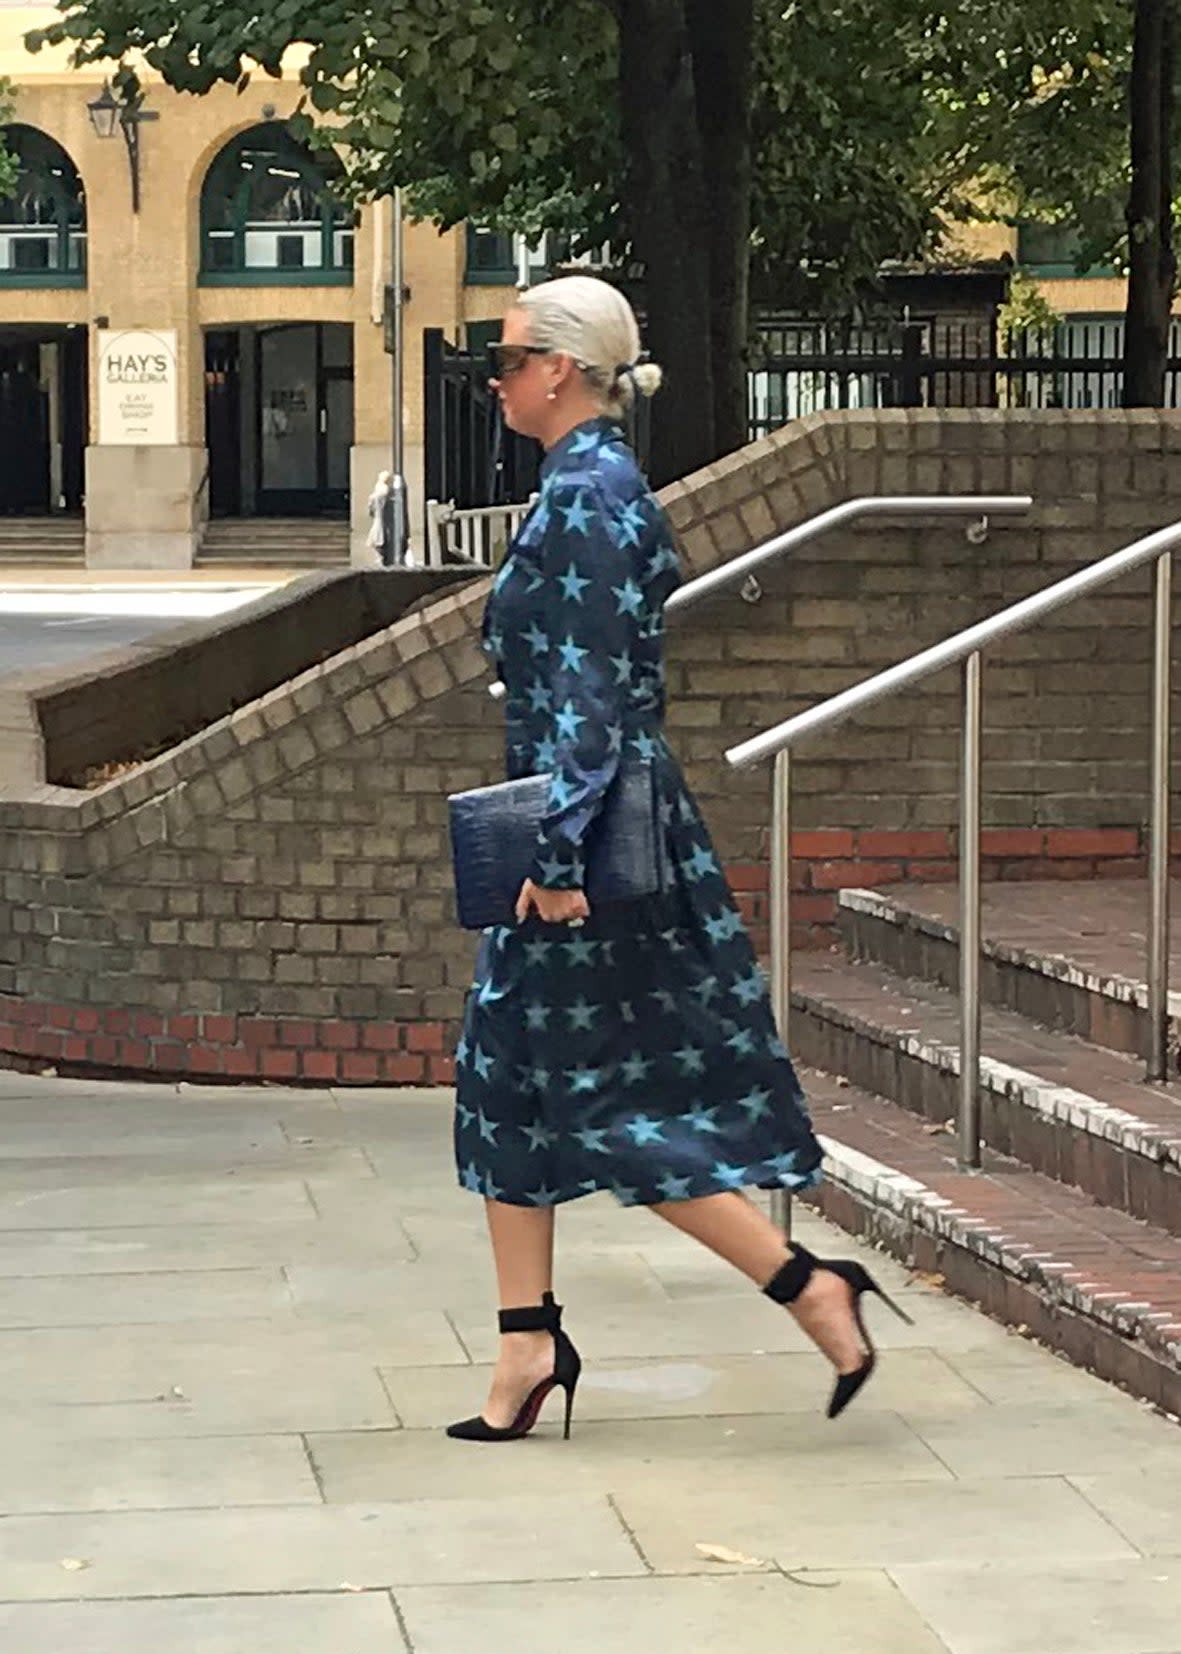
(494, 843)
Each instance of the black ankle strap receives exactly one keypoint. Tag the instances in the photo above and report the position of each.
(789, 1281)
(543, 1317)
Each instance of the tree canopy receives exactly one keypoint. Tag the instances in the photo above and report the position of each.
(808, 143)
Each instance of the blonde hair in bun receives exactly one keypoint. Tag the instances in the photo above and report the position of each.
(591, 321)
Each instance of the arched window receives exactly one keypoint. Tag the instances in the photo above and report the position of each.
(268, 214)
(43, 219)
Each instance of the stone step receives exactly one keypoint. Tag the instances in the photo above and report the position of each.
(1070, 956)
(288, 541)
(1070, 1110)
(1098, 1286)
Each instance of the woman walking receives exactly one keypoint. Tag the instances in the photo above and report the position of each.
(630, 1049)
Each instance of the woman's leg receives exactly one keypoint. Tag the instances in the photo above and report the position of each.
(523, 1247)
(733, 1227)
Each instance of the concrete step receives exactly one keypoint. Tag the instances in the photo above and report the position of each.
(1070, 956)
(1098, 1286)
(1070, 1110)
(288, 541)
(53, 541)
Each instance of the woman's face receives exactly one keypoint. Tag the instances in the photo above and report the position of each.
(526, 380)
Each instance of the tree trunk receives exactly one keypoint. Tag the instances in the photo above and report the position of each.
(722, 37)
(1152, 260)
(667, 212)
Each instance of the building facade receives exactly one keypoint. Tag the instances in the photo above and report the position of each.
(216, 350)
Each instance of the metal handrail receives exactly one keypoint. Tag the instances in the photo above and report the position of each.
(965, 649)
(864, 505)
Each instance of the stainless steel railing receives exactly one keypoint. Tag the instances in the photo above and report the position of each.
(965, 649)
(740, 569)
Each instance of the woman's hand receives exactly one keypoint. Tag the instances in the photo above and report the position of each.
(555, 907)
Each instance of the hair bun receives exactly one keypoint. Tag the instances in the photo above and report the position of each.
(648, 376)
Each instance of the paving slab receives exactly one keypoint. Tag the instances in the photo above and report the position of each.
(1131, 1607)
(44, 1473)
(364, 1623)
(874, 1525)
(76, 1365)
(1049, 1441)
(1142, 1501)
(232, 1326)
(616, 1456)
(329, 1548)
(851, 1614)
(153, 1295)
(912, 1381)
(117, 1205)
(145, 1249)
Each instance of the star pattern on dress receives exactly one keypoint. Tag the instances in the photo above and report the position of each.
(629, 597)
(578, 951)
(634, 1070)
(700, 864)
(643, 1130)
(748, 990)
(568, 722)
(691, 1059)
(578, 518)
(722, 926)
(582, 1014)
(641, 1061)
(573, 584)
(756, 1103)
(594, 1142)
(541, 697)
(572, 655)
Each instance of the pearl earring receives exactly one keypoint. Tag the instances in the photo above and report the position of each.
(552, 396)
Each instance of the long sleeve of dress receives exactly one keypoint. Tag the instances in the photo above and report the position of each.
(590, 605)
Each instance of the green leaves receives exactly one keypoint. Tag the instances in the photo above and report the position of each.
(7, 160)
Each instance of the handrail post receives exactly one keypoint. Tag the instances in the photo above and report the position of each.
(969, 1115)
(1161, 787)
(781, 933)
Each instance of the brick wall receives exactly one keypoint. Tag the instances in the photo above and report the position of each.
(273, 898)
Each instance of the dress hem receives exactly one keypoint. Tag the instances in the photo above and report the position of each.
(794, 1183)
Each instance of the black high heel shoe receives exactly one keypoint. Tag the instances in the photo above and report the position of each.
(787, 1283)
(545, 1317)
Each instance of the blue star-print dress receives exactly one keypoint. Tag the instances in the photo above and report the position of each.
(638, 1053)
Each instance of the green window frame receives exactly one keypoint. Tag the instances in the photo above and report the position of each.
(266, 204)
(492, 259)
(43, 220)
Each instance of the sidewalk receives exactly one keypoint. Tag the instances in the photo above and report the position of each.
(234, 1321)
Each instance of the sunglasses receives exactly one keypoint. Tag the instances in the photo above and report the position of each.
(506, 360)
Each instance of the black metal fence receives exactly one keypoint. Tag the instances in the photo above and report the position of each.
(472, 458)
(804, 367)
(801, 367)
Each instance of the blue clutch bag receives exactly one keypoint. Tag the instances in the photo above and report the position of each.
(494, 843)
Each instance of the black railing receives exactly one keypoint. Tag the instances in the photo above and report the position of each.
(800, 367)
(472, 458)
(803, 367)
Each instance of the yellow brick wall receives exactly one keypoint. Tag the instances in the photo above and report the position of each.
(142, 269)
